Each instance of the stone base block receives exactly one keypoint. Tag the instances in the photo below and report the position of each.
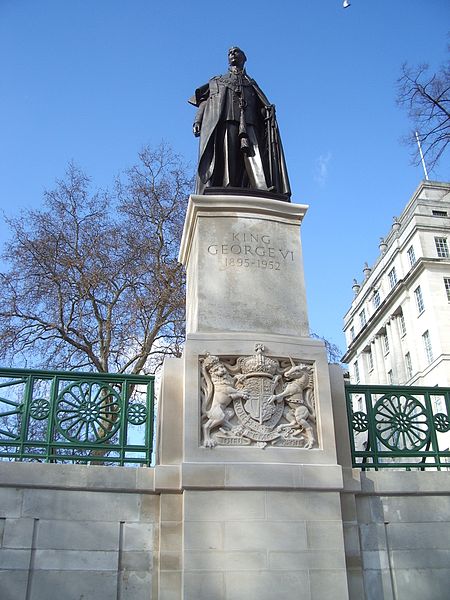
(244, 266)
(264, 545)
(252, 447)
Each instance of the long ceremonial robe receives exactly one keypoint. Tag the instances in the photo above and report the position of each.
(213, 100)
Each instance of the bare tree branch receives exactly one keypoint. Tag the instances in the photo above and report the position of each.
(427, 99)
(93, 279)
(333, 351)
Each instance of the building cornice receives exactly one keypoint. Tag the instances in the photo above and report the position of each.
(407, 219)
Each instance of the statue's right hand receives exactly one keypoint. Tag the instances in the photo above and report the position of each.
(196, 129)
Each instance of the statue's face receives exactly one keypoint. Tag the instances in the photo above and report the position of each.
(236, 57)
(220, 370)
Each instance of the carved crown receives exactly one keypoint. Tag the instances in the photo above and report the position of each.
(210, 361)
(258, 363)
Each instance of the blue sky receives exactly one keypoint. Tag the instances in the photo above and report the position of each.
(95, 80)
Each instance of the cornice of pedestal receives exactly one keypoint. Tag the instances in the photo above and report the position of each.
(236, 206)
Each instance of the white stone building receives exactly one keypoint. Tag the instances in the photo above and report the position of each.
(398, 326)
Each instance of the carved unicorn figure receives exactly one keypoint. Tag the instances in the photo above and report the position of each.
(298, 397)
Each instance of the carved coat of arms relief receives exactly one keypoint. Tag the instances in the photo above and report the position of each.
(257, 401)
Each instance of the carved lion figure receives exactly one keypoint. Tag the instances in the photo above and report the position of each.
(217, 397)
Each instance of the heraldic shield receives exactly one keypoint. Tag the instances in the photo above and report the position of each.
(251, 400)
(260, 387)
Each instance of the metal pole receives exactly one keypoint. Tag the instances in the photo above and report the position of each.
(421, 157)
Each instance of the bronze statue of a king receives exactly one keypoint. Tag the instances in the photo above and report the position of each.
(240, 145)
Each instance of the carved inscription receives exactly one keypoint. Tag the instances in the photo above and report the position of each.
(249, 250)
(257, 401)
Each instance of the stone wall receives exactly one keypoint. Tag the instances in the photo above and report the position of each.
(396, 525)
(397, 532)
(93, 533)
(263, 545)
(228, 531)
(77, 533)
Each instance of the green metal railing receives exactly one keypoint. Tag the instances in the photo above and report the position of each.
(399, 427)
(68, 417)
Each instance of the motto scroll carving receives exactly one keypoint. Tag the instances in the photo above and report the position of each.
(257, 401)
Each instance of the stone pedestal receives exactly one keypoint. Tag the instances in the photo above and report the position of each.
(243, 262)
(246, 421)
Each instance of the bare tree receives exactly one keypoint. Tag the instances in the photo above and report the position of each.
(427, 99)
(334, 353)
(93, 279)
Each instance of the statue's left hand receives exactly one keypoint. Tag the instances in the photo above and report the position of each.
(196, 129)
(268, 111)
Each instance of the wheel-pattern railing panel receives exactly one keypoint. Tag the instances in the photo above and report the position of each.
(399, 427)
(52, 416)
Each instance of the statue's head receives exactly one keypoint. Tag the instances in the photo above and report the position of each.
(236, 57)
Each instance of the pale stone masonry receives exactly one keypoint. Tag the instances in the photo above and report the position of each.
(263, 544)
(380, 506)
(74, 532)
(397, 328)
(243, 260)
(97, 533)
(253, 496)
(261, 506)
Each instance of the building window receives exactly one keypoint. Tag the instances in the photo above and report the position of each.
(447, 287)
(411, 255)
(419, 300)
(438, 403)
(385, 343)
(370, 360)
(392, 277)
(408, 363)
(356, 370)
(362, 317)
(427, 346)
(402, 324)
(439, 213)
(352, 333)
(376, 299)
(390, 377)
(441, 247)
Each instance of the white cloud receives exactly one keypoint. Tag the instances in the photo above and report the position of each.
(321, 168)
